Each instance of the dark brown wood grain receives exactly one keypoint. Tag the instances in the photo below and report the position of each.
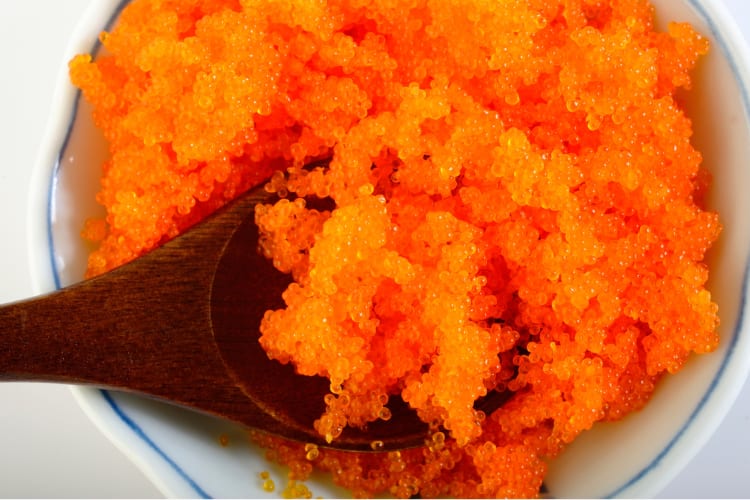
(181, 324)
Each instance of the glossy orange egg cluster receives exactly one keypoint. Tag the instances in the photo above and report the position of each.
(514, 205)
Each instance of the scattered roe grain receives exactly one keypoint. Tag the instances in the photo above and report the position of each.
(517, 208)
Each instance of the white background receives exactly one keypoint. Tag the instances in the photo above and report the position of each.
(48, 448)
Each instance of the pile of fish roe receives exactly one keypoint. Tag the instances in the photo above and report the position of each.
(514, 206)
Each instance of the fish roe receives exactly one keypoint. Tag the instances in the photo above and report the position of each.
(224, 440)
(515, 206)
(268, 484)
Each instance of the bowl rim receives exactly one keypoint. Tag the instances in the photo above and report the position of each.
(166, 476)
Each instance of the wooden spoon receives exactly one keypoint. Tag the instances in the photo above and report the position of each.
(181, 324)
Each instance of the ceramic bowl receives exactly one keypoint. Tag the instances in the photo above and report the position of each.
(636, 457)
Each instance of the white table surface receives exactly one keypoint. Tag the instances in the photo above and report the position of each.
(48, 447)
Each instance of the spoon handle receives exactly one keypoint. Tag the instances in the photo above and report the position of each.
(144, 327)
(119, 329)
(132, 329)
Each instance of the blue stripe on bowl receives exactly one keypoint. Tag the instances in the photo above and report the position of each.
(74, 112)
(118, 410)
(143, 435)
(122, 414)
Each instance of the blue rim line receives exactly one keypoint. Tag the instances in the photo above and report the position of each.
(138, 430)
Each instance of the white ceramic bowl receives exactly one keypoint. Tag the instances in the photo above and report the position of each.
(180, 451)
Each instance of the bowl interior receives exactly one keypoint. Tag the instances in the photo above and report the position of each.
(638, 456)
